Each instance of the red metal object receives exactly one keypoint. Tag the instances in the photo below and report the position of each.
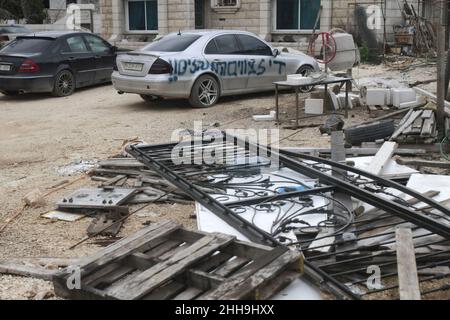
(327, 50)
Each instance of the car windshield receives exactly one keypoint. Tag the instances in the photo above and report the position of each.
(173, 43)
(27, 45)
(14, 29)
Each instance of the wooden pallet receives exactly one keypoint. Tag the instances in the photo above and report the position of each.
(165, 261)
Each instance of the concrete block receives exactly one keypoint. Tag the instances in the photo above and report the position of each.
(270, 117)
(314, 106)
(401, 96)
(376, 96)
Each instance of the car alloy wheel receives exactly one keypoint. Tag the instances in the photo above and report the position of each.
(305, 71)
(64, 84)
(208, 92)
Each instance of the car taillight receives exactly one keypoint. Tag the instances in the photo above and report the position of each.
(160, 67)
(29, 66)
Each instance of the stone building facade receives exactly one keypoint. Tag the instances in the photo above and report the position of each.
(287, 22)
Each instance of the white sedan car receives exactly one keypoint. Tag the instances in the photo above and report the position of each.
(204, 65)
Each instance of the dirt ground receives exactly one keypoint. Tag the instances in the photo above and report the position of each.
(39, 134)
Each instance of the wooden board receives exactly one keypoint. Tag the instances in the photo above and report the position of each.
(429, 126)
(165, 261)
(406, 264)
(381, 158)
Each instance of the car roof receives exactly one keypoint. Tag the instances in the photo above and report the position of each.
(12, 25)
(213, 32)
(52, 34)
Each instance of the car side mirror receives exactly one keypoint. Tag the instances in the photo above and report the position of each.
(276, 52)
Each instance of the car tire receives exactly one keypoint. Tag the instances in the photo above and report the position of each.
(150, 98)
(205, 92)
(10, 93)
(64, 84)
(305, 71)
(370, 132)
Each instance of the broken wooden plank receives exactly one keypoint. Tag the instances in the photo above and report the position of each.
(381, 158)
(429, 126)
(423, 163)
(427, 114)
(406, 124)
(406, 264)
(115, 180)
(390, 115)
(130, 163)
(231, 267)
(18, 269)
(242, 286)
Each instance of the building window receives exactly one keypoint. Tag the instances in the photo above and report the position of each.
(297, 14)
(142, 15)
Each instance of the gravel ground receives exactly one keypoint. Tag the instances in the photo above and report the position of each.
(39, 134)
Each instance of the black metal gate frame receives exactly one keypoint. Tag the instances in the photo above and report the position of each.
(287, 159)
(317, 276)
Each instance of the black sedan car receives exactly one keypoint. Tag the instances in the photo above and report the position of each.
(56, 62)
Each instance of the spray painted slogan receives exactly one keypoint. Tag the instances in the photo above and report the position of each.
(231, 68)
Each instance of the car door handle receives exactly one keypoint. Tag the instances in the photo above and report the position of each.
(71, 58)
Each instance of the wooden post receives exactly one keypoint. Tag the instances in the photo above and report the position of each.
(441, 67)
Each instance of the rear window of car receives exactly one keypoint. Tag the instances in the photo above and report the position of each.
(14, 30)
(173, 43)
(27, 45)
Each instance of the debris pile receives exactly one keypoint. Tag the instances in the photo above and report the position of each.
(343, 219)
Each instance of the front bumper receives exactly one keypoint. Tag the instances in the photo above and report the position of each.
(157, 85)
(26, 83)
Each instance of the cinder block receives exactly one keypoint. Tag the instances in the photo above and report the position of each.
(401, 96)
(314, 106)
(376, 96)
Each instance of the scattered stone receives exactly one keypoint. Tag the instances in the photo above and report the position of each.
(35, 199)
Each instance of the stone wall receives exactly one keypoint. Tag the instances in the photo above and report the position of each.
(106, 12)
(247, 17)
(252, 15)
(181, 15)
